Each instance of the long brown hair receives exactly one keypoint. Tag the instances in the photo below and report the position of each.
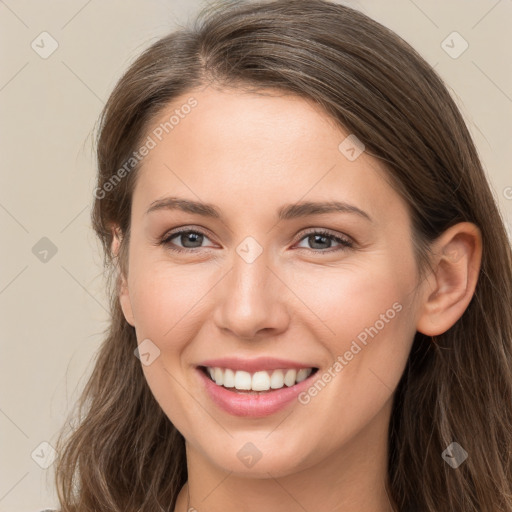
(125, 454)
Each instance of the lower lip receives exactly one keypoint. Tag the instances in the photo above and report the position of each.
(249, 405)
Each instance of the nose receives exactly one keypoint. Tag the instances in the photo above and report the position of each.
(251, 301)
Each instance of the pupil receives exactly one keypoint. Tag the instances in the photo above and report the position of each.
(191, 237)
(318, 238)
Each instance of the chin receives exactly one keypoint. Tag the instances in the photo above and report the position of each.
(254, 457)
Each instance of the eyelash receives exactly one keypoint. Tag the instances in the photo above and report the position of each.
(344, 242)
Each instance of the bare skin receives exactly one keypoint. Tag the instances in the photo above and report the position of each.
(250, 154)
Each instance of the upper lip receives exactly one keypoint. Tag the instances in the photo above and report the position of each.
(254, 365)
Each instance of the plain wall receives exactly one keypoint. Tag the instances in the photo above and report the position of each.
(53, 306)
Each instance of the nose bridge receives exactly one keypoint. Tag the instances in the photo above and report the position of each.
(251, 297)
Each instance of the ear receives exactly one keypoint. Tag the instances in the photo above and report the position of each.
(124, 293)
(456, 265)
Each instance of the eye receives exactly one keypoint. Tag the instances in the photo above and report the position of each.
(190, 240)
(322, 239)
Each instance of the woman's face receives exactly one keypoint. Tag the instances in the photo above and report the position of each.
(266, 280)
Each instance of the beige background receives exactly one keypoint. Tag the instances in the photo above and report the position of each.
(52, 312)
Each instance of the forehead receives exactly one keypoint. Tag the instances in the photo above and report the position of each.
(256, 150)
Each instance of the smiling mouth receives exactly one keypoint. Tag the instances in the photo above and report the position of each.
(257, 382)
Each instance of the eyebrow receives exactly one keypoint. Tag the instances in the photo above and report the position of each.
(286, 212)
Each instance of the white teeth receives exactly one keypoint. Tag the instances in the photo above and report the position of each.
(303, 374)
(243, 381)
(229, 378)
(277, 379)
(219, 376)
(289, 377)
(258, 381)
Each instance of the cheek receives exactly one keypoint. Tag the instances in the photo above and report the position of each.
(151, 302)
(366, 326)
(350, 300)
(167, 301)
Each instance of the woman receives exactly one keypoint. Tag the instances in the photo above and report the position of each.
(311, 280)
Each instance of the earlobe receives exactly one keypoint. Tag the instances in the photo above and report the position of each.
(116, 242)
(124, 300)
(456, 265)
(123, 290)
